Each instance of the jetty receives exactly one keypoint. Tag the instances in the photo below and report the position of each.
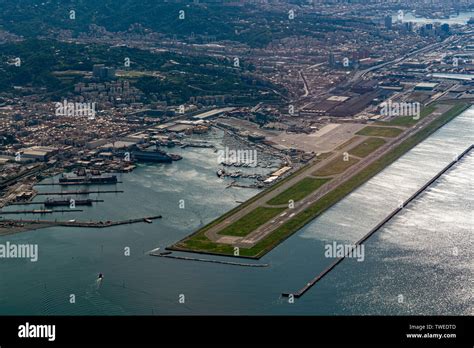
(313, 281)
(77, 192)
(66, 202)
(40, 211)
(73, 183)
(21, 225)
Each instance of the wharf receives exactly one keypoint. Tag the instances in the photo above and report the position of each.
(72, 183)
(44, 202)
(77, 192)
(40, 211)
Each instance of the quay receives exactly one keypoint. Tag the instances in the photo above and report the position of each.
(26, 225)
(77, 192)
(40, 211)
(71, 183)
(100, 224)
(46, 202)
(313, 281)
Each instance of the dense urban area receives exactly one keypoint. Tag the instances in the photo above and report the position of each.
(326, 87)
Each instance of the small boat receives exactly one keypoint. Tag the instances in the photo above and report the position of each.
(100, 277)
(163, 253)
(175, 157)
(148, 221)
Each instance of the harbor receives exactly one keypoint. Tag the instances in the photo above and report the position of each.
(75, 255)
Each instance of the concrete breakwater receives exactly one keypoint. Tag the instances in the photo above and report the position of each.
(186, 258)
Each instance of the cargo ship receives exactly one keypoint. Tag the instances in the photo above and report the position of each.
(87, 179)
(66, 202)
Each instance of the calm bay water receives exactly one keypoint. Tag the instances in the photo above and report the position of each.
(413, 255)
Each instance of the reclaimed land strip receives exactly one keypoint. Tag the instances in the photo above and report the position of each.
(313, 281)
(229, 251)
(186, 258)
(197, 242)
(15, 226)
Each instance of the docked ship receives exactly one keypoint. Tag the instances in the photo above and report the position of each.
(153, 156)
(66, 202)
(88, 179)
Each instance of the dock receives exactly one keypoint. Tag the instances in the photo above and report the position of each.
(186, 258)
(74, 223)
(72, 183)
(313, 281)
(41, 211)
(77, 192)
(100, 224)
(43, 202)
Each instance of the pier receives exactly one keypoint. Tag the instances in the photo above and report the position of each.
(72, 183)
(45, 202)
(77, 192)
(313, 281)
(100, 224)
(24, 225)
(42, 211)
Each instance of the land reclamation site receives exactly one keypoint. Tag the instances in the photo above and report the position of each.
(258, 225)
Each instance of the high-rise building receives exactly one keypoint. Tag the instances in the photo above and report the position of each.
(100, 71)
(388, 22)
(332, 59)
